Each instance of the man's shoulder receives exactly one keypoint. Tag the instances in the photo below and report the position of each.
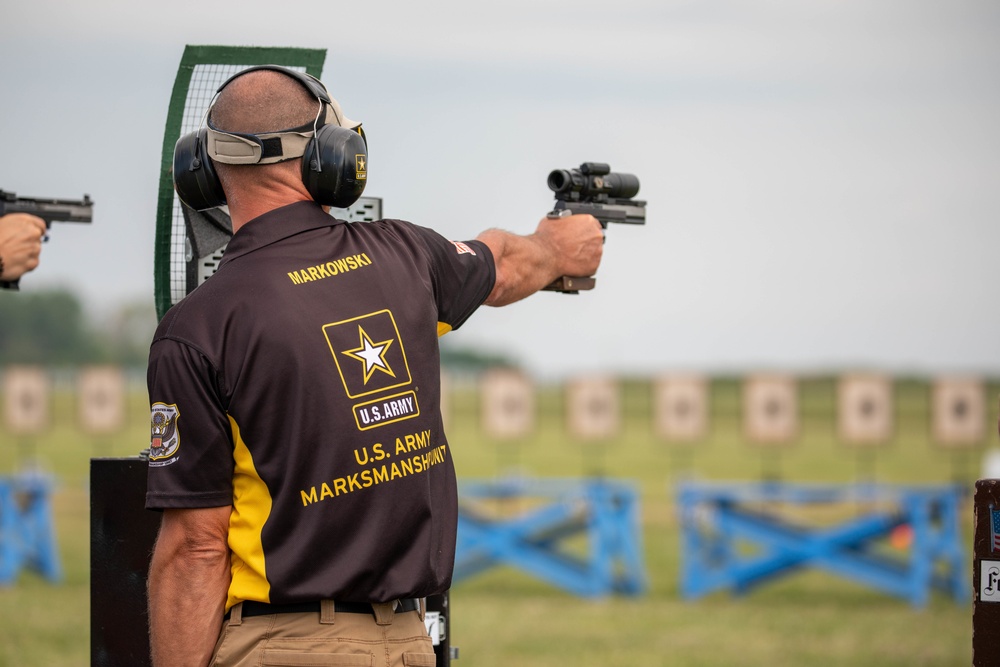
(197, 312)
(405, 231)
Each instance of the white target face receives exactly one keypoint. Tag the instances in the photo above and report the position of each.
(680, 407)
(26, 400)
(508, 404)
(593, 408)
(770, 409)
(958, 412)
(864, 409)
(101, 396)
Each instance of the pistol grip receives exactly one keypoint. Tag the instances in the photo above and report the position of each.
(570, 285)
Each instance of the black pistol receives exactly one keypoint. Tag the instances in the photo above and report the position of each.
(49, 210)
(604, 194)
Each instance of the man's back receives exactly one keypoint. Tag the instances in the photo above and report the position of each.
(316, 347)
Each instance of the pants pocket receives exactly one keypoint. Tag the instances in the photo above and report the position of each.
(284, 658)
(411, 659)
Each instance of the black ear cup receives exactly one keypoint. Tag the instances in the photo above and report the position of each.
(335, 166)
(195, 179)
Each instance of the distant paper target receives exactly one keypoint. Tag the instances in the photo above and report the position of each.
(865, 409)
(593, 407)
(26, 400)
(770, 409)
(680, 408)
(101, 399)
(958, 412)
(508, 404)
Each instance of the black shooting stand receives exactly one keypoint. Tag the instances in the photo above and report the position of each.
(122, 533)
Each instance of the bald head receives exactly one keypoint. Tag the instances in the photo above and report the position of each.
(263, 101)
(257, 102)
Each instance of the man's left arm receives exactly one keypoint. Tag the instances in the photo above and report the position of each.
(189, 579)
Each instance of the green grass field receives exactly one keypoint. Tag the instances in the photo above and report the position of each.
(504, 617)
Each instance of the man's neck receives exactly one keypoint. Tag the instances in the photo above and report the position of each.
(258, 206)
(257, 193)
(251, 205)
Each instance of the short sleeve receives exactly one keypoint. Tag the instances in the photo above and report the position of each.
(191, 451)
(463, 273)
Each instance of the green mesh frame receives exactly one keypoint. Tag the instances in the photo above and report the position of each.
(184, 236)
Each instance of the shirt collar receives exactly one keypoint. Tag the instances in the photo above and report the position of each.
(275, 226)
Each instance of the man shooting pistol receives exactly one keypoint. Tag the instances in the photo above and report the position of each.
(594, 189)
(23, 223)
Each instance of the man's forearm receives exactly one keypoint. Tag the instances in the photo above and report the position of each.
(188, 583)
(524, 266)
(186, 604)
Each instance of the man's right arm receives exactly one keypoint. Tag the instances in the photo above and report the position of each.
(188, 582)
(570, 246)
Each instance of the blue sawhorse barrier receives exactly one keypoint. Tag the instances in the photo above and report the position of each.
(27, 537)
(735, 536)
(535, 524)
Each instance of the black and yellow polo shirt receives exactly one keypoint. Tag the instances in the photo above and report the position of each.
(301, 385)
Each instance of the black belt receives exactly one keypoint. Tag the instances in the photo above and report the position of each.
(253, 608)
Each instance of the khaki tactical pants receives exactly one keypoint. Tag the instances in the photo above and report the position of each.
(382, 639)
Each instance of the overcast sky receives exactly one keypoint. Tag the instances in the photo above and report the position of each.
(823, 178)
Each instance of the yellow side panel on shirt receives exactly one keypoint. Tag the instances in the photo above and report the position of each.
(251, 507)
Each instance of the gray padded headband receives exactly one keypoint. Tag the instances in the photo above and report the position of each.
(271, 147)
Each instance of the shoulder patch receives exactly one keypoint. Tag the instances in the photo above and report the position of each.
(463, 249)
(164, 438)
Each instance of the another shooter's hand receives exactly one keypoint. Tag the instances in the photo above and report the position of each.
(570, 246)
(20, 244)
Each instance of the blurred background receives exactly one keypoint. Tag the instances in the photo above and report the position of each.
(822, 190)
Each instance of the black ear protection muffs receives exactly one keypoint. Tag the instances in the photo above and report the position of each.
(333, 149)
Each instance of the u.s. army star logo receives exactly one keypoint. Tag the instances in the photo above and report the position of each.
(372, 355)
(369, 353)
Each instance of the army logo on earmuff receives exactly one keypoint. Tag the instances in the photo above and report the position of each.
(360, 166)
